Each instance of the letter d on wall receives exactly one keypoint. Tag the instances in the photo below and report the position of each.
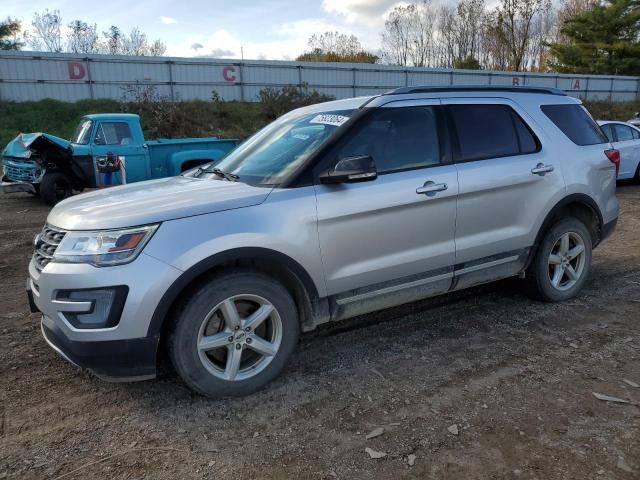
(76, 71)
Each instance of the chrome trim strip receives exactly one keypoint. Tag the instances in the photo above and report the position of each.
(71, 306)
(394, 288)
(482, 266)
(425, 281)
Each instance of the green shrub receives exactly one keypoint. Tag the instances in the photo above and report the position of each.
(278, 101)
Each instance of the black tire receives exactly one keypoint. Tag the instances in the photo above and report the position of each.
(55, 187)
(539, 274)
(189, 317)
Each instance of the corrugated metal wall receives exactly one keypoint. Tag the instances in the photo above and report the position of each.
(33, 76)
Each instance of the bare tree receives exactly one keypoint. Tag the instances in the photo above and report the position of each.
(82, 38)
(157, 48)
(461, 33)
(135, 44)
(336, 42)
(514, 21)
(421, 34)
(409, 35)
(395, 38)
(47, 31)
(543, 28)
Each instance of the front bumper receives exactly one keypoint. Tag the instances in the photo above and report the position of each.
(127, 349)
(116, 360)
(7, 186)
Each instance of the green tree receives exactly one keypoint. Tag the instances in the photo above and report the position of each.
(468, 63)
(603, 40)
(9, 31)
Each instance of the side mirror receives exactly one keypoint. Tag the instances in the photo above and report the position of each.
(350, 170)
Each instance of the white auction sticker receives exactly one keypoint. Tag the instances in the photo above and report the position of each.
(328, 119)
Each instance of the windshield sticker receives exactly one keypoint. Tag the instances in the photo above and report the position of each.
(328, 119)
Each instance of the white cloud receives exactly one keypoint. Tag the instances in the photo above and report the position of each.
(371, 12)
(290, 41)
(168, 20)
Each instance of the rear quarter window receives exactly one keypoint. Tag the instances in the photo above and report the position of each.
(576, 123)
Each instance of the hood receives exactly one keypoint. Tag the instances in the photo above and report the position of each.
(153, 201)
(25, 143)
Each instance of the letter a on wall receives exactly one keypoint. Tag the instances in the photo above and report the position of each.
(576, 85)
(76, 71)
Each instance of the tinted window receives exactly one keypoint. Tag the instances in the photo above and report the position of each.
(113, 133)
(489, 131)
(396, 138)
(623, 132)
(636, 134)
(576, 123)
(608, 131)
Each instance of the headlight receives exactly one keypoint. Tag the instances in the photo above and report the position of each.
(104, 248)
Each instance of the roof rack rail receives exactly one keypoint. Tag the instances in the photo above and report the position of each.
(475, 88)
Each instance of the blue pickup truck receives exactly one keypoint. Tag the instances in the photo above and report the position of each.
(106, 150)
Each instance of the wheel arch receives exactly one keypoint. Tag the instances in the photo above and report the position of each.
(276, 264)
(578, 205)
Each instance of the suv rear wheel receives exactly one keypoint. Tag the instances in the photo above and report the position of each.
(562, 263)
(234, 334)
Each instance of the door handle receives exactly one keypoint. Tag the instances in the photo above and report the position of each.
(431, 187)
(541, 169)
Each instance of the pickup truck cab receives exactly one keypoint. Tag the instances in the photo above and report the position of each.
(106, 149)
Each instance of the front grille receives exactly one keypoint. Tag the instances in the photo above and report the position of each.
(21, 170)
(45, 246)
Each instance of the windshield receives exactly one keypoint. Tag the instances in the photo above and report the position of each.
(281, 147)
(83, 132)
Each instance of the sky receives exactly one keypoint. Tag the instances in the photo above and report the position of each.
(267, 29)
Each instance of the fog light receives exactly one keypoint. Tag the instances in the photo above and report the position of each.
(105, 306)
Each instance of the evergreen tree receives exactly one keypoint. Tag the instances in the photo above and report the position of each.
(602, 40)
(9, 31)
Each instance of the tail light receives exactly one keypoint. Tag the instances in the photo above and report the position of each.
(614, 157)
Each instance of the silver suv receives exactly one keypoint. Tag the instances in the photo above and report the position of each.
(331, 211)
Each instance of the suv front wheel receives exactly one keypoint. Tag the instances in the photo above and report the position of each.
(233, 334)
(562, 263)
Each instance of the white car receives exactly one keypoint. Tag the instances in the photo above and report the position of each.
(626, 139)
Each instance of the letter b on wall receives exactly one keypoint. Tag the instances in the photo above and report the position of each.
(76, 70)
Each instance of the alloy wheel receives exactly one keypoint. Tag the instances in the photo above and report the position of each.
(567, 261)
(239, 337)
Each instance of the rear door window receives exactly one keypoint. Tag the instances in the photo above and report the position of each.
(623, 132)
(608, 131)
(490, 131)
(576, 123)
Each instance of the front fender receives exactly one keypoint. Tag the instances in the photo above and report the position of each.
(179, 159)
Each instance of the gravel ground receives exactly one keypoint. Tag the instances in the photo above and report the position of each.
(484, 383)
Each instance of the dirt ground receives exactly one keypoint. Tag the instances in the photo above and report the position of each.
(515, 377)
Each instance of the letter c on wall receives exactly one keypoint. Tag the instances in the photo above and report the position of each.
(76, 71)
(228, 73)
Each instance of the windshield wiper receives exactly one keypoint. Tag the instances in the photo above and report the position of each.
(232, 177)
